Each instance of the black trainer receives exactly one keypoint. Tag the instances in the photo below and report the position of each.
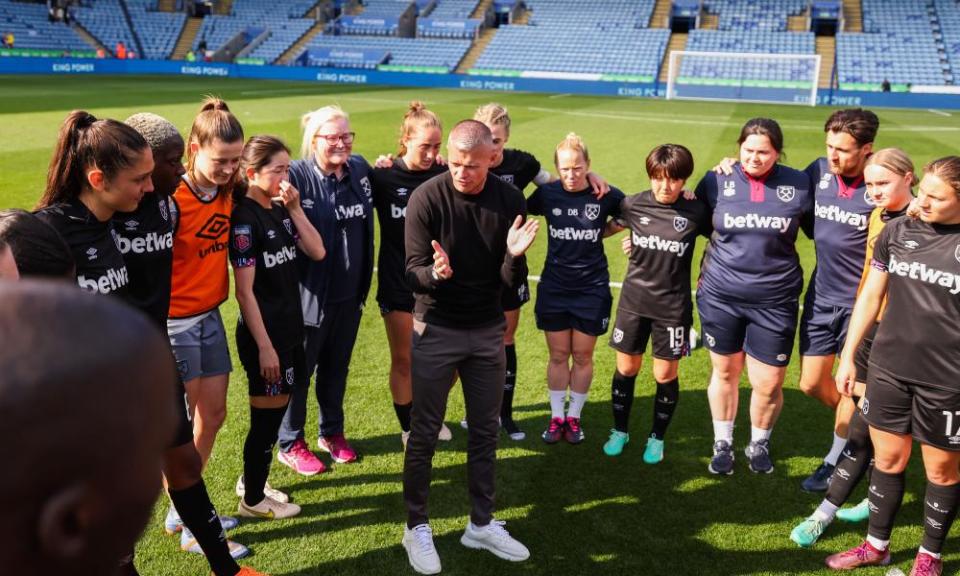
(722, 461)
(820, 479)
(759, 455)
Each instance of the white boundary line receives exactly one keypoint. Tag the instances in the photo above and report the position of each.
(939, 112)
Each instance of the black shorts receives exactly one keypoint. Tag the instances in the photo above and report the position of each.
(293, 367)
(862, 357)
(766, 333)
(930, 414)
(184, 432)
(823, 327)
(514, 298)
(631, 332)
(558, 322)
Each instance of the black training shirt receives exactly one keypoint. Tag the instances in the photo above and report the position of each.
(267, 240)
(472, 229)
(145, 237)
(392, 188)
(94, 245)
(918, 339)
(518, 168)
(657, 283)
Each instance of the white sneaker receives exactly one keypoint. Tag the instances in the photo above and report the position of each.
(445, 434)
(495, 538)
(418, 542)
(268, 509)
(277, 495)
(463, 424)
(404, 436)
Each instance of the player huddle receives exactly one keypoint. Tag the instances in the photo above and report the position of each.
(122, 216)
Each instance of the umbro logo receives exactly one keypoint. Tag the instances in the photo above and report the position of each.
(644, 220)
(131, 224)
(307, 203)
(91, 253)
(911, 244)
(271, 234)
(402, 191)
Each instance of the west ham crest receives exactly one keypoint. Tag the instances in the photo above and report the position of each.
(786, 193)
(680, 223)
(591, 211)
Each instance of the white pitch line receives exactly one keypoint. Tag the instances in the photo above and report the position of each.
(939, 112)
(556, 96)
(702, 121)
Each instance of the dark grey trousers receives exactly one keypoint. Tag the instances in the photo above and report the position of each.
(438, 354)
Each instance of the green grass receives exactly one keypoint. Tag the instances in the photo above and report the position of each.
(578, 511)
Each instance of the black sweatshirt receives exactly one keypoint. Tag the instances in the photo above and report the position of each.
(472, 229)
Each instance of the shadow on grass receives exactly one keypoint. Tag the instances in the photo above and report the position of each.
(581, 512)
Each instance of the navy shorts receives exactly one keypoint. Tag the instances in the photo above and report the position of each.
(766, 334)
(823, 327)
(560, 321)
(631, 332)
(930, 414)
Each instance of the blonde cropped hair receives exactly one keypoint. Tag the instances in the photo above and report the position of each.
(493, 114)
(312, 121)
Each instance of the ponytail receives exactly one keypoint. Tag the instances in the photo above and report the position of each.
(83, 143)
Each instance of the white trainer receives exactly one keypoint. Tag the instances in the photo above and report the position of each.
(404, 437)
(241, 491)
(268, 509)
(495, 538)
(445, 434)
(418, 542)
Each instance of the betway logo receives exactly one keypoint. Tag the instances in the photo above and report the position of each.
(920, 271)
(779, 223)
(397, 212)
(838, 214)
(570, 233)
(114, 279)
(654, 242)
(282, 256)
(152, 242)
(348, 212)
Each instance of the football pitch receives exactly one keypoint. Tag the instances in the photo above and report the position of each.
(579, 511)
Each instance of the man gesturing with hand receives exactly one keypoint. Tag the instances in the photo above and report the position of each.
(465, 237)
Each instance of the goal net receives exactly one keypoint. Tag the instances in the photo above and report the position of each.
(733, 76)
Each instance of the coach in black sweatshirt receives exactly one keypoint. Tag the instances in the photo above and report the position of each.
(465, 238)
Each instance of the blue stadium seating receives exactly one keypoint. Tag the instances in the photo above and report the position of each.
(284, 26)
(898, 44)
(949, 14)
(104, 19)
(750, 41)
(761, 15)
(157, 31)
(32, 31)
(607, 37)
(453, 9)
(404, 51)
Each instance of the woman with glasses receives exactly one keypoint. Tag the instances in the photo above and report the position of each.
(337, 197)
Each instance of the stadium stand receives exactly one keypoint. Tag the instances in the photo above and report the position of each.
(282, 26)
(440, 55)
(949, 14)
(749, 41)
(760, 15)
(606, 37)
(105, 20)
(157, 31)
(453, 9)
(899, 43)
(32, 31)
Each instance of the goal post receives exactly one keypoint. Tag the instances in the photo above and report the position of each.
(743, 77)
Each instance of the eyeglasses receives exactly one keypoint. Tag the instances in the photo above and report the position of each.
(332, 139)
